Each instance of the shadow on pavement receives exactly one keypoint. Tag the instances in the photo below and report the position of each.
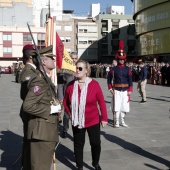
(136, 149)
(61, 131)
(152, 167)
(11, 146)
(107, 101)
(66, 156)
(165, 96)
(110, 122)
(158, 99)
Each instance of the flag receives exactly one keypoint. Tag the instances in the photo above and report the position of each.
(50, 40)
(63, 61)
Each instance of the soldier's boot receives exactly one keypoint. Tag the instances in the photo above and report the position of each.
(116, 123)
(116, 119)
(123, 120)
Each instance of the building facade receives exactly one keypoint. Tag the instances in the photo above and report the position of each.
(9, 3)
(12, 40)
(152, 19)
(65, 29)
(94, 10)
(111, 29)
(38, 5)
(86, 38)
(11, 15)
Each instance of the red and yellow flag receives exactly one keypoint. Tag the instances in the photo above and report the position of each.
(64, 61)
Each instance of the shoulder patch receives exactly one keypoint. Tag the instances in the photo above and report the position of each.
(27, 78)
(37, 89)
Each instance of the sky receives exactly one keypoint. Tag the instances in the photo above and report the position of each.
(82, 7)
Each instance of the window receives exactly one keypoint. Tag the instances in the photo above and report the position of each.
(7, 50)
(62, 39)
(92, 29)
(82, 40)
(58, 27)
(91, 40)
(7, 37)
(41, 37)
(68, 28)
(68, 39)
(27, 38)
(82, 29)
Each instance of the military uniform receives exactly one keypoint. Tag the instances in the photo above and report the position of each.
(119, 82)
(42, 126)
(27, 74)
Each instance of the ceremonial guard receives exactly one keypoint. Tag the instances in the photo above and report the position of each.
(43, 122)
(120, 85)
(29, 72)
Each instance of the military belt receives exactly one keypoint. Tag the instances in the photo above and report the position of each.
(121, 85)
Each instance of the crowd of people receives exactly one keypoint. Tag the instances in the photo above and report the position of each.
(157, 73)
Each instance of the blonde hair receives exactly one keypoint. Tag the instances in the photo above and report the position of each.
(87, 66)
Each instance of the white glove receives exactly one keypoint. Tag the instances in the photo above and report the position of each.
(55, 109)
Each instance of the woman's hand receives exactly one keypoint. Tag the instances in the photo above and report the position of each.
(103, 123)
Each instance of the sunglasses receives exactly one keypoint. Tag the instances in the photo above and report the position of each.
(79, 68)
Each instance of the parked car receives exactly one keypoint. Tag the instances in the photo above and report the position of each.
(5, 70)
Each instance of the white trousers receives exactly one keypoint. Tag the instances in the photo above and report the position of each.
(120, 104)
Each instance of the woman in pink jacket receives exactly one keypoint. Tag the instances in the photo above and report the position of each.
(81, 101)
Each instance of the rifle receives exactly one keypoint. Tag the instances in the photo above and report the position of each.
(54, 102)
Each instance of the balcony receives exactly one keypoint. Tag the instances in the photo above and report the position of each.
(79, 34)
(88, 45)
(104, 29)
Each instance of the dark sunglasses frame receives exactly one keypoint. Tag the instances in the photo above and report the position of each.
(79, 68)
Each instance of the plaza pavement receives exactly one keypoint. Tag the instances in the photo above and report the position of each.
(145, 145)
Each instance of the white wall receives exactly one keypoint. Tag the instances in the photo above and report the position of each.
(17, 51)
(17, 38)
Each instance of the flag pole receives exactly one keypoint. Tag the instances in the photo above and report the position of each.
(49, 14)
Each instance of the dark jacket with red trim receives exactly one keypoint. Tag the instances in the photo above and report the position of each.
(120, 78)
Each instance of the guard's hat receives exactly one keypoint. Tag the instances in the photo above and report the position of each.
(121, 53)
(47, 52)
(30, 48)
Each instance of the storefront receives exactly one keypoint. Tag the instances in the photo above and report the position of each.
(152, 19)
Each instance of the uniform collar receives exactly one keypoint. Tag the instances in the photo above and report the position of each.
(32, 65)
(121, 66)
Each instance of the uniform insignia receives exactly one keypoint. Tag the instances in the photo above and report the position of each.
(37, 89)
(27, 78)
